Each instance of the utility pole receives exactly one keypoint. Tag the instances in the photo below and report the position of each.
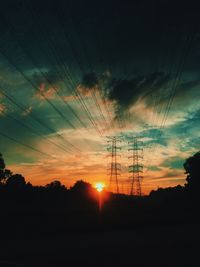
(136, 168)
(115, 166)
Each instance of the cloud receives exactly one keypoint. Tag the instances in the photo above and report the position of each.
(172, 174)
(142, 95)
(173, 163)
(9, 76)
(45, 92)
(70, 98)
(124, 93)
(154, 168)
(90, 80)
(2, 108)
(132, 99)
(188, 85)
(47, 81)
(45, 75)
(27, 111)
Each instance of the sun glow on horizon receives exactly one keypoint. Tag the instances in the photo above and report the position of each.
(99, 186)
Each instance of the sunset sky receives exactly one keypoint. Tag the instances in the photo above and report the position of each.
(74, 72)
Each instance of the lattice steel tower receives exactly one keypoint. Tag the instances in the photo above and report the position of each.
(115, 166)
(136, 168)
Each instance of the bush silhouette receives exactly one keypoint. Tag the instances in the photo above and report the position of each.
(192, 169)
(2, 168)
(16, 181)
(56, 186)
(4, 173)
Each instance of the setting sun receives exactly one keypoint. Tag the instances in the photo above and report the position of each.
(99, 186)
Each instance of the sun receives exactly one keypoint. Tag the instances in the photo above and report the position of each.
(99, 186)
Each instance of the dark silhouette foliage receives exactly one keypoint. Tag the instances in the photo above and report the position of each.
(2, 163)
(169, 192)
(2, 169)
(192, 169)
(5, 174)
(81, 187)
(8, 178)
(54, 210)
(16, 181)
(55, 186)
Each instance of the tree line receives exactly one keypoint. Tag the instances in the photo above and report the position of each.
(18, 182)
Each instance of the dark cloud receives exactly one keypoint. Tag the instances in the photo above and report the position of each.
(125, 92)
(90, 80)
(185, 86)
(187, 89)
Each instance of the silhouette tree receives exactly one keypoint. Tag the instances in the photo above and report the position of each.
(192, 169)
(16, 181)
(4, 173)
(2, 163)
(81, 187)
(55, 186)
(7, 174)
(2, 169)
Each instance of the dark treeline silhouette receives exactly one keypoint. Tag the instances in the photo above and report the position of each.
(57, 226)
(54, 209)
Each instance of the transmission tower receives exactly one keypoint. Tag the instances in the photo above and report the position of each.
(136, 168)
(115, 167)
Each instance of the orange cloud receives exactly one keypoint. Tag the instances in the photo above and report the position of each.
(2, 108)
(45, 92)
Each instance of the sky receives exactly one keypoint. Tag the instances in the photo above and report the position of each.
(73, 73)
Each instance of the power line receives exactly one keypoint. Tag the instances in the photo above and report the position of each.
(176, 81)
(33, 130)
(36, 89)
(24, 109)
(46, 78)
(24, 144)
(74, 89)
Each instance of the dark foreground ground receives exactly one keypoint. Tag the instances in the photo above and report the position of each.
(176, 245)
(71, 231)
